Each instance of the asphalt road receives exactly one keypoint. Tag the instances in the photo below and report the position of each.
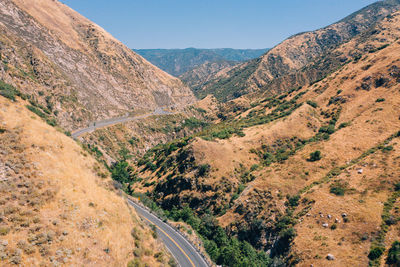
(185, 254)
(104, 123)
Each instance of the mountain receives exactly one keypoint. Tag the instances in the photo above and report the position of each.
(178, 61)
(306, 173)
(198, 76)
(276, 70)
(74, 71)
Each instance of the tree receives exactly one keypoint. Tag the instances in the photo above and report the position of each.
(394, 254)
(121, 172)
(315, 156)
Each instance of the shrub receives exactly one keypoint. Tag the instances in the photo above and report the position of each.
(380, 82)
(387, 148)
(339, 191)
(121, 172)
(330, 129)
(37, 111)
(8, 90)
(134, 263)
(294, 201)
(203, 169)
(393, 257)
(344, 124)
(397, 187)
(376, 253)
(380, 100)
(312, 103)
(4, 230)
(338, 188)
(254, 167)
(315, 156)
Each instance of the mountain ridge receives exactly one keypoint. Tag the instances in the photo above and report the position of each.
(178, 61)
(293, 54)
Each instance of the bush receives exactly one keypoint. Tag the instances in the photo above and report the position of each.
(121, 172)
(254, 167)
(337, 191)
(344, 124)
(397, 187)
(330, 129)
(376, 253)
(8, 90)
(294, 201)
(394, 254)
(37, 111)
(134, 263)
(312, 103)
(203, 170)
(380, 100)
(338, 188)
(315, 156)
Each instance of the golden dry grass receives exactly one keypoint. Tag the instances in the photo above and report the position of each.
(86, 214)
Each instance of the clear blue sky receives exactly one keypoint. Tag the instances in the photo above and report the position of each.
(211, 23)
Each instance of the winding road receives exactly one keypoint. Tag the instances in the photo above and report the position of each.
(104, 123)
(184, 252)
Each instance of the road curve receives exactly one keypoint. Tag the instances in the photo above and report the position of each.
(185, 254)
(104, 123)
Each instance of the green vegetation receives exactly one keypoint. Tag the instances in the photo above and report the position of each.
(315, 156)
(193, 123)
(203, 170)
(223, 250)
(338, 188)
(376, 252)
(9, 91)
(95, 150)
(380, 100)
(378, 245)
(393, 257)
(122, 172)
(344, 125)
(279, 106)
(312, 103)
(42, 112)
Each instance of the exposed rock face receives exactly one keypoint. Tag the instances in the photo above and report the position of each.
(290, 56)
(196, 77)
(48, 50)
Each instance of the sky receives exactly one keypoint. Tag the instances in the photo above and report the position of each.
(212, 23)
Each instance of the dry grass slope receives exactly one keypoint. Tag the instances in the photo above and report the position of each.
(54, 208)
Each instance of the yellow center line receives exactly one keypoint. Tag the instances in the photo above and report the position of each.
(171, 240)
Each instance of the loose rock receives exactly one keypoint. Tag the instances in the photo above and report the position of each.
(330, 257)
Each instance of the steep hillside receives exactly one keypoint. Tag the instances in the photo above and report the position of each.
(178, 61)
(56, 206)
(276, 70)
(310, 176)
(198, 76)
(75, 71)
